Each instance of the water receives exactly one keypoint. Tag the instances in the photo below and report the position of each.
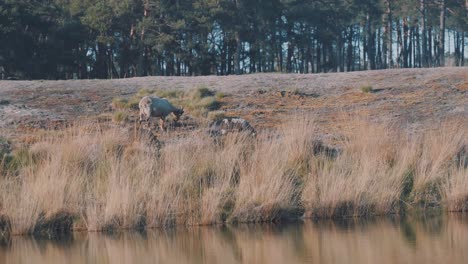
(428, 240)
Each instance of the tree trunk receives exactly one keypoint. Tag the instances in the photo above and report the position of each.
(436, 50)
(340, 49)
(462, 52)
(349, 55)
(301, 59)
(378, 57)
(365, 47)
(229, 59)
(418, 47)
(289, 55)
(411, 48)
(456, 48)
(280, 52)
(324, 57)
(387, 56)
(357, 45)
(253, 58)
(400, 45)
(370, 42)
(425, 59)
(405, 42)
(442, 34)
(313, 68)
(237, 57)
(430, 58)
(318, 54)
(463, 37)
(223, 55)
(100, 68)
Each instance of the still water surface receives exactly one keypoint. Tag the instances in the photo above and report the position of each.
(428, 240)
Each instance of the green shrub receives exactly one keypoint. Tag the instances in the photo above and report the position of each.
(209, 103)
(120, 117)
(122, 103)
(216, 115)
(220, 95)
(199, 101)
(133, 103)
(294, 91)
(201, 92)
(143, 92)
(169, 93)
(367, 89)
(119, 103)
(3, 140)
(4, 150)
(20, 158)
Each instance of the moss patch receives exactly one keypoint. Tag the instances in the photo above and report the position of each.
(367, 89)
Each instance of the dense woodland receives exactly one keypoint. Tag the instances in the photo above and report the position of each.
(65, 39)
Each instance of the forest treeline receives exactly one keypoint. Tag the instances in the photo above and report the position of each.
(65, 39)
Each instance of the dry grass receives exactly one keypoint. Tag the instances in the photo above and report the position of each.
(97, 179)
(367, 178)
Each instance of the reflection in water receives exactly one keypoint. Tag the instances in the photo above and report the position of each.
(431, 240)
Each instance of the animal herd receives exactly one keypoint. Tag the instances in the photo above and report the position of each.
(153, 106)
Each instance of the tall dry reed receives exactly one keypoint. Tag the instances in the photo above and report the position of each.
(96, 179)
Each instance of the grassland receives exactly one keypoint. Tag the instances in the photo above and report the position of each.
(310, 159)
(93, 179)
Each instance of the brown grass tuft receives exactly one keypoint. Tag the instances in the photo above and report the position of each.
(99, 179)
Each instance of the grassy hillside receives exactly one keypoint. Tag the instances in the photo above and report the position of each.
(357, 144)
(413, 98)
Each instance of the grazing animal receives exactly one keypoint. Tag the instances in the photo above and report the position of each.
(152, 106)
(227, 125)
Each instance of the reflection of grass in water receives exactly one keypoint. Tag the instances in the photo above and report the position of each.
(309, 241)
(114, 179)
(408, 232)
